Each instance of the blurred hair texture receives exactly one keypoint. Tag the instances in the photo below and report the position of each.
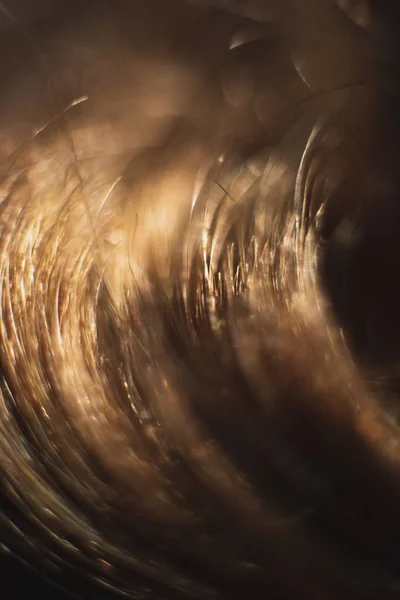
(199, 329)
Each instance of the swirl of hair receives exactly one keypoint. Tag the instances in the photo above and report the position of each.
(186, 410)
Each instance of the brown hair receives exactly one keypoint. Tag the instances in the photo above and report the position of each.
(198, 337)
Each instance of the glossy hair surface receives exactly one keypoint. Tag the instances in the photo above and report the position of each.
(198, 294)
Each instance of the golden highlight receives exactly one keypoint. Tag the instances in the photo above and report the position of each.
(191, 406)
